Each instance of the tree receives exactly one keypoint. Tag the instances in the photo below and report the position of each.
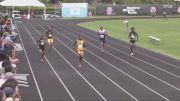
(54, 1)
(45, 1)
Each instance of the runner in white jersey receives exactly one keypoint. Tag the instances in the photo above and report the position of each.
(133, 36)
(41, 46)
(102, 33)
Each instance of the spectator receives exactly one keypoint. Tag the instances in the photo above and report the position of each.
(164, 15)
(90, 13)
(8, 84)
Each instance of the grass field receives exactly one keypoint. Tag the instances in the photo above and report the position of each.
(166, 30)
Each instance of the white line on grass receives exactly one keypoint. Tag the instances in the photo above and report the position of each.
(37, 86)
(59, 78)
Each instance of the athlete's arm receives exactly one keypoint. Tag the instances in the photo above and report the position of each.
(47, 33)
(75, 43)
(84, 44)
(129, 35)
(98, 34)
(137, 36)
(38, 41)
(106, 33)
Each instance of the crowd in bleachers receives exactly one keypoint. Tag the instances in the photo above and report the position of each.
(9, 89)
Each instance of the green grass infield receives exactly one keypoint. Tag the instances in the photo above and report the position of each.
(166, 30)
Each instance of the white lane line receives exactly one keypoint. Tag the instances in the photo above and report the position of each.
(146, 63)
(37, 86)
(132, 57)
(59, 78)
(133, 65)
(100, 72)
(121, 71)
(79, 73)
(143, 53)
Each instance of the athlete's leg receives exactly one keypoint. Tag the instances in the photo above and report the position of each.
(41, 51)
(131, 47)
(81, 55)
(102, 46)
(80, 60)
(42, 56)
(50, 44)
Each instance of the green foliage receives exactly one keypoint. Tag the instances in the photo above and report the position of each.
(45, 1)
(72, 1)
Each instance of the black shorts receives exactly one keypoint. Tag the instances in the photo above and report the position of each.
(42, 47)
(132, 41)
(102, 40)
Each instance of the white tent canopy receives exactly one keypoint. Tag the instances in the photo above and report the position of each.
(22, 3)
(34, 3)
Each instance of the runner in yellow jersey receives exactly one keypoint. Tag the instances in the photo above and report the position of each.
(80, 45)
(49, 35)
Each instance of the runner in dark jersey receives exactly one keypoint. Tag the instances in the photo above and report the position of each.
(41, 46)
(102, 33)
(133, 36)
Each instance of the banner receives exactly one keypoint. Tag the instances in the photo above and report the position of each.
(148, 9)
(74, 9)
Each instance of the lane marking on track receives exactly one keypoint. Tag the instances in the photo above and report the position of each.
(101, 72)
(166, 55)
(78, 72)
(129, 64)
(124, 73)
(59, 78)
(37, 86)
(132, 57)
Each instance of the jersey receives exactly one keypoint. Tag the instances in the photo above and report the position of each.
(41, 42)
(102, 34)
(49, 34)
(80, 45)
(133, 35)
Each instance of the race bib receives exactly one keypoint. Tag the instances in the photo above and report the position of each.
(80, 46)
(42, 43)
(50, 35)
(132, 36)
(101, 36)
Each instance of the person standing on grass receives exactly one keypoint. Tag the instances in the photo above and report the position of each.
(164, 15)
(41, 46)
(102, 33)
(133, 36)
(79, 46)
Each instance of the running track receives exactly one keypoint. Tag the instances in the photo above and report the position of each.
(110, 76)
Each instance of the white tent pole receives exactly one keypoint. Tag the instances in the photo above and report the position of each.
(13, 5)
(29, 8)
(44, 9)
